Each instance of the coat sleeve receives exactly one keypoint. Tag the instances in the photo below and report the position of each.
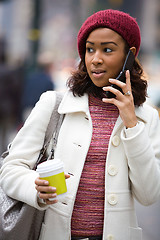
(17, 178)
(143, 156)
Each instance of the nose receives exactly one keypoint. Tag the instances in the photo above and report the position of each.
(97, 58)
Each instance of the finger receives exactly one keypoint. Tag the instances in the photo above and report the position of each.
(128, 81)
(67, 176)
(110, 100)
(117, 82)
(113, 90)
(45, 189)
(124, 86)
(49, 202)
(46, 196)
(41, 182)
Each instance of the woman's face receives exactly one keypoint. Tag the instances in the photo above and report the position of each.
(105, 55)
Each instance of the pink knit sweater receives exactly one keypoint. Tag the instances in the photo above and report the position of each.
(88, 212)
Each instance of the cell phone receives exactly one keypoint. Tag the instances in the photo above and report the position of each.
(128, 65)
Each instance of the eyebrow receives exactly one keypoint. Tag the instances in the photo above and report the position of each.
(103, 43)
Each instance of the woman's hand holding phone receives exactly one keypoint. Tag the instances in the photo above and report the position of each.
(123, 101)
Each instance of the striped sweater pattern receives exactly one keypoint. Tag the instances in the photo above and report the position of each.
(88, 212)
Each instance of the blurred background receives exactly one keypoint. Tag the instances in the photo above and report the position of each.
(38, 51)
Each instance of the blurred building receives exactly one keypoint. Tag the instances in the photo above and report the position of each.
(14, 24)
(52, 25)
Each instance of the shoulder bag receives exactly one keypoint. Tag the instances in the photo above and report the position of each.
(19, 221)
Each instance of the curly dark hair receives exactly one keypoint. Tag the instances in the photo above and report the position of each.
(80, 82)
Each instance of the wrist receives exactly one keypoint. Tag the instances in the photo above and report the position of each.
(131, 125)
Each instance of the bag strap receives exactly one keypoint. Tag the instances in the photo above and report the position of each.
(53, 128)
(54, 123)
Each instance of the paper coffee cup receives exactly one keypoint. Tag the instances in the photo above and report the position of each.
(53, 172)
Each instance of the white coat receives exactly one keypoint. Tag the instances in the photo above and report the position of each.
(132, 166)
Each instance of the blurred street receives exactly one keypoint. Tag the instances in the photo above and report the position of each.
(149, 219)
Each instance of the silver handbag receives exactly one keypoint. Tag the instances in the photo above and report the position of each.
(19, 221)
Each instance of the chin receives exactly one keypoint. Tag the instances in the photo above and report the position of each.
(101, 85)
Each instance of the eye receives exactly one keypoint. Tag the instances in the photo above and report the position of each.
(107, 50)
(89, 49)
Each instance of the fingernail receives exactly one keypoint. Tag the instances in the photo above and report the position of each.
(54, 195)
(46, 182)
(111, 79)
(53, 188)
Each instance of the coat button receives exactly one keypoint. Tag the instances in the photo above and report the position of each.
(110, 237)
(112, 170)
(115, 141)
(112, 199)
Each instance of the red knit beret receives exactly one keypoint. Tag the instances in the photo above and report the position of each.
(120, 22)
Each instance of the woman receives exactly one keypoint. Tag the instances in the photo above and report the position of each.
(110, 146)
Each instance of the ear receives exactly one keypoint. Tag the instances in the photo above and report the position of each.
(133, 49)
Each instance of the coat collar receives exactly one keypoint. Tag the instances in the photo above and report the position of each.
(72, 104)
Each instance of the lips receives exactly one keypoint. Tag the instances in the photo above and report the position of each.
(98, 73)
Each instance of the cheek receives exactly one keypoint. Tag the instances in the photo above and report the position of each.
(115, 65)
(114, 62)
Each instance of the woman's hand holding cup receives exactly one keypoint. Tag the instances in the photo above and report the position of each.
(45, 192)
